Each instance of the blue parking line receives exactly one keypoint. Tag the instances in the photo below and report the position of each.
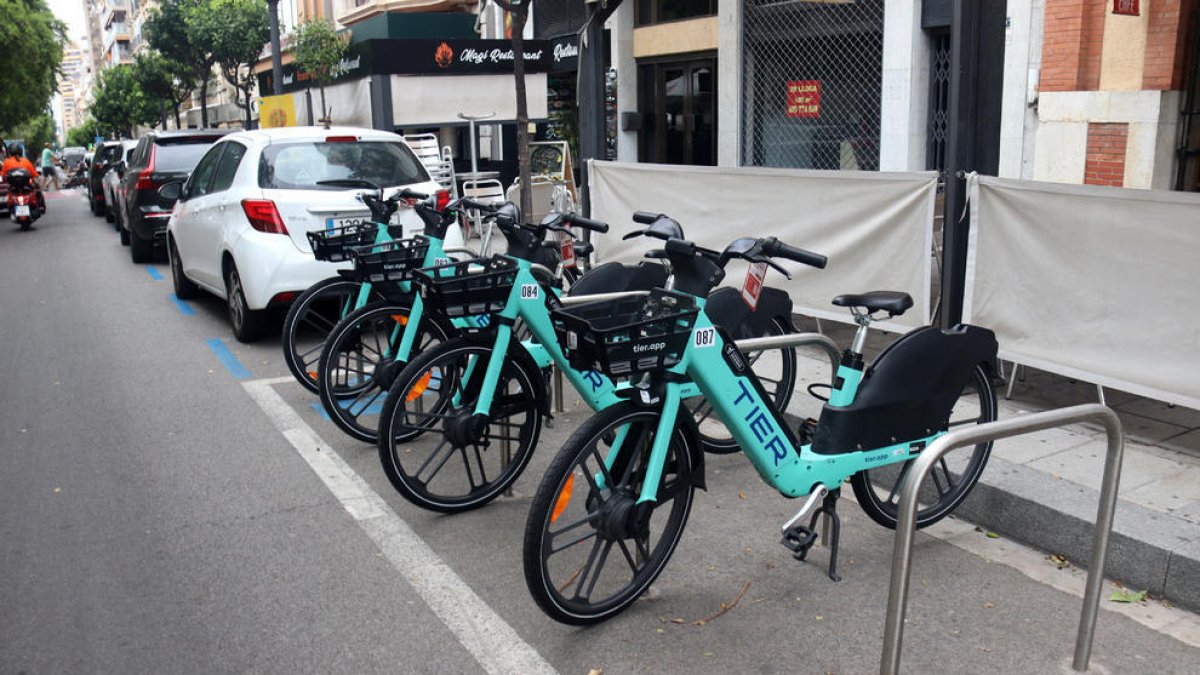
(154, 273)
(375, 408)
(227, 359)
(321, 411)
(184, 308)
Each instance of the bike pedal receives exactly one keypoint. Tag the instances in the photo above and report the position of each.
(799, 540)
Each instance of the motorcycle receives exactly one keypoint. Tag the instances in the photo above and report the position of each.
(25, 204)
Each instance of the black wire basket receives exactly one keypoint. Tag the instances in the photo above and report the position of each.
(395, 260)
(626, 336)
(335, 245)
(472, 287)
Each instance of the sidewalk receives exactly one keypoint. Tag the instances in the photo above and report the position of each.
(1043, 489)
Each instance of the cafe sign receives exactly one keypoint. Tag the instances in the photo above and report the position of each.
(1128, 7)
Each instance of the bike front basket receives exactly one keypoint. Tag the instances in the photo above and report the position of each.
(334, 245)
(629, 335)
(472, 287)
(391, 261)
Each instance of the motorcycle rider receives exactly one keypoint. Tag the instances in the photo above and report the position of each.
(16, 160)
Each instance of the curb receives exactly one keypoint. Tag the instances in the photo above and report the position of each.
(1147, 550)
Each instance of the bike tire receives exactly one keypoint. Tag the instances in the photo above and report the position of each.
(420, 402)
(777, 373)
(355, 353)
(310, 320)
(581, 457)
(934, 503)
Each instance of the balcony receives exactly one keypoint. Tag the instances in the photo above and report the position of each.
(113, 10)
(118, 32)
(352, 11)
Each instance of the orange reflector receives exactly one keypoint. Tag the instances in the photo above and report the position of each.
(313, 374)
(564, 498)
(401, 319)
(419, 388)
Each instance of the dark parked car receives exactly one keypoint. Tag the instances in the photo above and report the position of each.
(108, 153)
(160, 157)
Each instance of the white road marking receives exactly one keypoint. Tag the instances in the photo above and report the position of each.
(494, 644)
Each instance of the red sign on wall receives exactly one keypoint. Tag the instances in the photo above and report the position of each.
(804, 98)
(1129, 7)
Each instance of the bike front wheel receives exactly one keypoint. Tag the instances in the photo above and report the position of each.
(358, 364)
(950, 481)
(590, 549)
(310, 320)
(465, 460)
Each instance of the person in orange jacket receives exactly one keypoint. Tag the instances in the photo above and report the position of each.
(17, 160)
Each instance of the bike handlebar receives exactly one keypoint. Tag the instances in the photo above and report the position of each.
(586, 223)
(646, 218)
(777, 249)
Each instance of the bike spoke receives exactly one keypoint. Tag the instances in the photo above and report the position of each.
(891, 498)
(375, 395)
(633, 566)
(599, 568)
(578, 540)
(587, 567)
(445, 444)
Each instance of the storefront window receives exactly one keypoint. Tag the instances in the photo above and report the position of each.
(658, 11)
(812, 84)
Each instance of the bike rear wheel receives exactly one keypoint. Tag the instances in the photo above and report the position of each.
(589, 550)
(776, 370)
(457, 466)
(310, 320)
(358, 364)
(950, 481)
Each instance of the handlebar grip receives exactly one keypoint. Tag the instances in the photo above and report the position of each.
(409, 193)
(645, 217)
(782, 250)
(587, 223)
(472, 204)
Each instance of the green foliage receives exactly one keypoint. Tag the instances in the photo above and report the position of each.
(33, 41)
(236, 31)
(120, 103)
(317, 48)
(82, 135)
(155, 75)
(35, 132)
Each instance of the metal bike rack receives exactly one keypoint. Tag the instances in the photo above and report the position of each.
(893, 628)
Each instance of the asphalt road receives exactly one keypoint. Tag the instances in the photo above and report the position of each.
(162, 510)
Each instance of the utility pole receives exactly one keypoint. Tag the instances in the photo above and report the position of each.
(592, 94)
(276, 63)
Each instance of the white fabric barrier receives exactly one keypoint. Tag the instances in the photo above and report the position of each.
(876, 228)
(1094, 283)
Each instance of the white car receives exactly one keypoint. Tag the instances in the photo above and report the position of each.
(239, 228)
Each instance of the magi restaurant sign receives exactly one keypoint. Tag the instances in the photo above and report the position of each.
(804, 98)
(437, 57)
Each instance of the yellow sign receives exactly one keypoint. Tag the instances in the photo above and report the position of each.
(277, 111)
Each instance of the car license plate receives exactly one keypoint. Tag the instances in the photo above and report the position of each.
(333, 223)
(22, 210)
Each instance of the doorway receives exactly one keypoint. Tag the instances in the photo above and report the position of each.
(678, 101)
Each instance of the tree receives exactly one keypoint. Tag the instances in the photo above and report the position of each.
(35, 132)
(202, 28)
(235, 31)
(155, 76)
(82, 135)
(519, 9)
(316, 50)
(33, 41)
(167, 33)
(120, 103)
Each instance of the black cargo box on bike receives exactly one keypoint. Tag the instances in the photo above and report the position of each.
(909, 391)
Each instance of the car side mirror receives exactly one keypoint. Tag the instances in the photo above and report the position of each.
(172, 191)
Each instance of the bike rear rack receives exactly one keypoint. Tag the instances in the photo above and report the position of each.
(893, 628)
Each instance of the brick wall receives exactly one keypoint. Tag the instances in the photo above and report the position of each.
(1105, 154)
(1071, 46)
(1166, 46)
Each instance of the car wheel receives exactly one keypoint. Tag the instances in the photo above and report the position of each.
(140, 250)
(122, 231)
(108, 213)
(248, 325)
(184, 288)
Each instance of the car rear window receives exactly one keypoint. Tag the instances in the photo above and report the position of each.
(180, 156)
(299, 166)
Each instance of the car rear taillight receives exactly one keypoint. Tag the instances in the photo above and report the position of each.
(144, 182)
(443, 199)
(341, 139)
(263, 216)
(285, 297)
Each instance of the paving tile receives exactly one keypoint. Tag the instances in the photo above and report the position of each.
(1189, 512)
(1187, 443)
(1025, 449)
(1169, 493)
(1085, 465)
(1178, 415)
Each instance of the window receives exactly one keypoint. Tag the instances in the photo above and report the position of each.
(659, 11)
(300, 166)
(198, 184)
(227, 167)
(179, 154)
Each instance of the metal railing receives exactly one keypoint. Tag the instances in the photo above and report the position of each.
(893, 628)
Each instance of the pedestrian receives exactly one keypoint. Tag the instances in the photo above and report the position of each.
(48, 171)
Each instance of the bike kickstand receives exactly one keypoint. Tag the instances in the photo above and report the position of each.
(800, 538)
